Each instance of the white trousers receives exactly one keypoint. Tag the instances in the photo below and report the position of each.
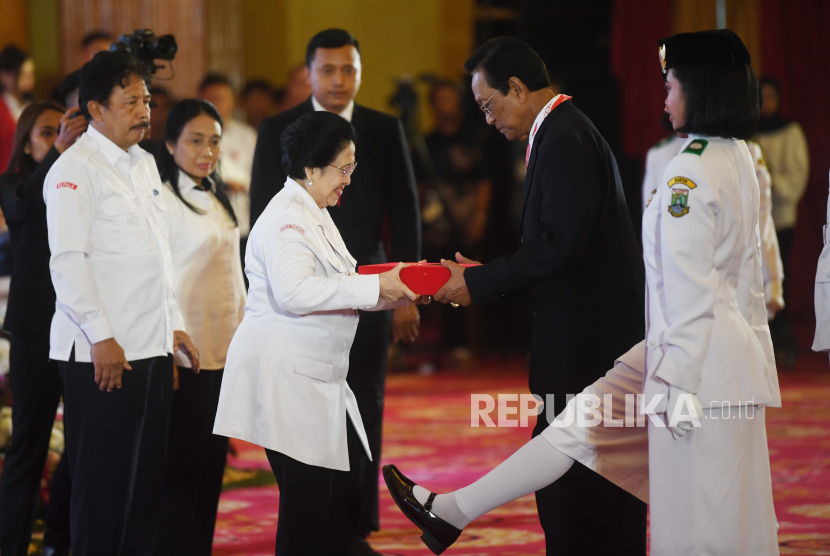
(710, 491)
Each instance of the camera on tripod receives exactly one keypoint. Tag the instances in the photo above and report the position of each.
(146, 47)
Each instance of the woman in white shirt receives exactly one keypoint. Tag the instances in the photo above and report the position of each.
(285, 379)
(204, 241)
(706, 370)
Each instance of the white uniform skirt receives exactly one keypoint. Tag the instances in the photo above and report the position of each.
(709, 491)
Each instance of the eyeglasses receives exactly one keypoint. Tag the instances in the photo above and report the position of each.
(483, 106)
(347, 170)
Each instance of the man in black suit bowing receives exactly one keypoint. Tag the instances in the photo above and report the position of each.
(580, 261)
(383, 185)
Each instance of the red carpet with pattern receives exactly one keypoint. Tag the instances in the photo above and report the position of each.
(427, 433)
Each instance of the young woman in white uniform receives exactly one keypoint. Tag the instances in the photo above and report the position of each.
(204, 242)
(285, 379)
(706, 368)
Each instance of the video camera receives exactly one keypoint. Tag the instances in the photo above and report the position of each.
(146, 47)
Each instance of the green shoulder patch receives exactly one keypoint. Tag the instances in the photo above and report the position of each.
(696, 147)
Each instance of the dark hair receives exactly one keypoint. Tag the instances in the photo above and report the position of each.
(68, 84)
(330, 38)
(720, 101)
(181, 113)
(20, 162)
(103, 73)
(92, 36)
(261, 85)
(314, 141)
(214, 79)
(11, 60)
(505, 57)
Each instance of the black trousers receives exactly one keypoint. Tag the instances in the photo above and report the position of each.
(316, 515)
(117, 447)
(36, 386)
(781, 325)
(367, 379)
(58, 526)
(195, 465)
(583, 508)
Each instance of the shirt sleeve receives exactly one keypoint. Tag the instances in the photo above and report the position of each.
(790, 180)
(687, 228)
(773, 266)
(291, 266)
(71, 205)
(174, 217)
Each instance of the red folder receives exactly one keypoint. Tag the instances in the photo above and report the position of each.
(421, 278)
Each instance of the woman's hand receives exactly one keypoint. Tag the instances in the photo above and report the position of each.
(391, 287)
(71, 129)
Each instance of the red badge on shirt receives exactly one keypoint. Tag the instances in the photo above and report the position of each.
(292, 227)
(71, 186)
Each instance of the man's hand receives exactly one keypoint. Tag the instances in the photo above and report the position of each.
(110, 362)
(405, 323)
(183, 342)
(455, 290)
(71, 129)
(775, 298)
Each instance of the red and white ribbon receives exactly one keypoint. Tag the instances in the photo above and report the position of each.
(554, 102)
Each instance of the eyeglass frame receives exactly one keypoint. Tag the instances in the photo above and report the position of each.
(344, 170)
(483, 106)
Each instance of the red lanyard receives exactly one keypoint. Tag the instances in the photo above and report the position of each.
(554, 102)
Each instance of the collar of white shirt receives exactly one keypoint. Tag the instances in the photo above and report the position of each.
(303, 194)
(186, 183)
(113, 152)
(346, 114)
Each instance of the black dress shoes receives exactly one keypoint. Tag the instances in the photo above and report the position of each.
(438, 534)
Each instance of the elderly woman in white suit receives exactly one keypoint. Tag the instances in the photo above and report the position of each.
(706, 368)
(285, 385)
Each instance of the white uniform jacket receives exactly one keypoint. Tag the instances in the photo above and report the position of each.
(285, 386)
(657, 160)
(111, 264)
(210, 288)
(706, 325)
(822, 297)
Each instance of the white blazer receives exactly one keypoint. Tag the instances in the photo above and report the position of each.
(285, 386)
(822, 296)
(706, 322)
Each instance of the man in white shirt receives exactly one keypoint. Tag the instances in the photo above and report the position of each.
(117, 322)
(238, 144)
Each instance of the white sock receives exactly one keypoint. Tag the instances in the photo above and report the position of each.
(444, 506)
(532, 467)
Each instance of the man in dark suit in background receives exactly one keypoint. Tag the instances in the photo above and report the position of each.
(383, 185)
(581, 263)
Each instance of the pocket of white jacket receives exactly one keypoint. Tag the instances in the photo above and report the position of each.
(120, 223)
(318, 370)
